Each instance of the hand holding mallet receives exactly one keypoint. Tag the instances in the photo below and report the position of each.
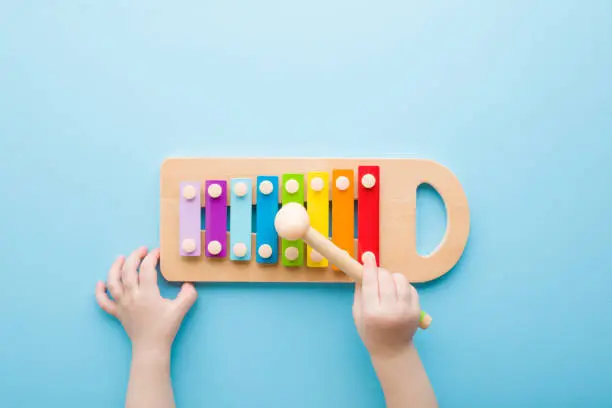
(292, 223)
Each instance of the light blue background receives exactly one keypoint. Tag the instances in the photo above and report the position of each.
(515, 97)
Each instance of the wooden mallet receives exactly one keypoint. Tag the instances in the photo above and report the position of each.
(292, 223)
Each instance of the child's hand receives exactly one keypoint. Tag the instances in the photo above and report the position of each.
(150, 321)
(386, 310)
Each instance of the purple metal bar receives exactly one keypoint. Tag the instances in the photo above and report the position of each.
(216, 218)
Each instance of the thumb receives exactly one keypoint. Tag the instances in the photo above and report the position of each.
(186, 298)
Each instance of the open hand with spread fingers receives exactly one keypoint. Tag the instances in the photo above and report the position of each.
(150, 321)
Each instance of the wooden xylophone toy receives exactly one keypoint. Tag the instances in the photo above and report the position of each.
(217, 217)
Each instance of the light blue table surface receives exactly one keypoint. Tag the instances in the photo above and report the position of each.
(515, 97)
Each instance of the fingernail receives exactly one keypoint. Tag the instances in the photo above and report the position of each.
(368, 258)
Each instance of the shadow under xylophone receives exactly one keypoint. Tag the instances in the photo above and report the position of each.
(239, 192)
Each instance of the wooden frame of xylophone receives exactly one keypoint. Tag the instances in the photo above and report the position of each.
(209, 205)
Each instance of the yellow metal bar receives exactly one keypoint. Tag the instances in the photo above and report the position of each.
(317, 197)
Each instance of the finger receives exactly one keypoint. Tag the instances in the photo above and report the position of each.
(148, 271)
(369, 283)
(185, 299)
(402, 287)
(103, 301)
(115, 287)
(357, 297)
(414, 298)
(129, 272)
(386, 288)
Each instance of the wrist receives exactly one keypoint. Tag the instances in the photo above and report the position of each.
(390, 367)
(384, 352)
(150, 354)
(392, 357)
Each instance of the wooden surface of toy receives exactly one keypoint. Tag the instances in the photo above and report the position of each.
(217, 217)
